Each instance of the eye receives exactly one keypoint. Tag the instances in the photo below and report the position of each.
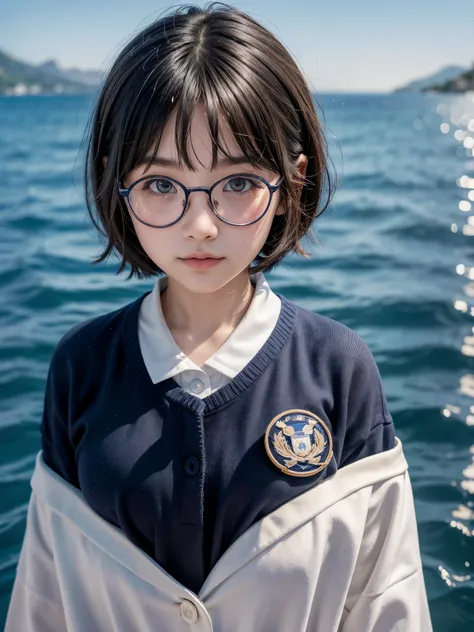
(239, 184)
(159, 186)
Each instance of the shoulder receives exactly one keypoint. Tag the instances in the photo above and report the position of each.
(333, 339)
(89, 337)
(343, 356)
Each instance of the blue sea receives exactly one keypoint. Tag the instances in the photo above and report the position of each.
(394, 261)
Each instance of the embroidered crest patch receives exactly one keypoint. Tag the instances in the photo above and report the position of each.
(298, 442)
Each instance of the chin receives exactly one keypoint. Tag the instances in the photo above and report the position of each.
(203, 281)
(202, 284)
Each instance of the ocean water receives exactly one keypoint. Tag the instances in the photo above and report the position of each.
(394, 261)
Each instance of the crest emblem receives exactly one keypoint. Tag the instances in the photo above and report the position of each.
(298, 442)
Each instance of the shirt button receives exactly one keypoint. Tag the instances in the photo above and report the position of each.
(192, 465)
(196, 385)
(188, 611)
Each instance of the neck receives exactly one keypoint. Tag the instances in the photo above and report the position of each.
(202, 316)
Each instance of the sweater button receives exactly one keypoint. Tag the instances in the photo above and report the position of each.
(188, 611)
(192, 466)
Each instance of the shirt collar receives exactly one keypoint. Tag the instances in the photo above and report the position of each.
(163, 357)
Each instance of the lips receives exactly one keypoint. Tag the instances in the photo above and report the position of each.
(202, 257)
(202, 263)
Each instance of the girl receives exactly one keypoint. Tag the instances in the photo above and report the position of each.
(214, 457)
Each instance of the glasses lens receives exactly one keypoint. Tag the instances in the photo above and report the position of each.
(241, 199)
(237, 199)
(157, 201)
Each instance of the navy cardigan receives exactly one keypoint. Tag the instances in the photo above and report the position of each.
(184, 477)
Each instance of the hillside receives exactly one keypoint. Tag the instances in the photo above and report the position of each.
(17, 78)
(462, 83)
(439, 77)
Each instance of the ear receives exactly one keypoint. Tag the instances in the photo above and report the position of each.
(104, 160)
(301, 163)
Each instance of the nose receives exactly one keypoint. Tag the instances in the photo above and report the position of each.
(199, 221)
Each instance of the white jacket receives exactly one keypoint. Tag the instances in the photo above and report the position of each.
(341, 557)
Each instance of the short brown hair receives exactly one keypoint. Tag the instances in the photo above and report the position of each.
(219, 56)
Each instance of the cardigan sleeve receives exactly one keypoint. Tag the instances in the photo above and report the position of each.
(35, 603)
(58, 450)
(387, 591)
(363, 418)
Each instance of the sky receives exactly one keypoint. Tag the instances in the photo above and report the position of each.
(341, 45)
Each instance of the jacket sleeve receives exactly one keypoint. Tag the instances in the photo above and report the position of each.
(35, 604)
(387, 592)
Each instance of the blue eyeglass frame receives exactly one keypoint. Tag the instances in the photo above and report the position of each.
(187, 191)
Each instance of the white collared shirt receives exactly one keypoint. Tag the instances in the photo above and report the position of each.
(164, 359)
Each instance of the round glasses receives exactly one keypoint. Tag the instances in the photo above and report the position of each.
(160, 201)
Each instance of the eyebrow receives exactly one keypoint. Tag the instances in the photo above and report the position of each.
(168, 162)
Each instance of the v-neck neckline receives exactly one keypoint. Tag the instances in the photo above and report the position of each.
(245, 378)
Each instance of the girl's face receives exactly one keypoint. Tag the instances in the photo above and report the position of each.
(200, 229)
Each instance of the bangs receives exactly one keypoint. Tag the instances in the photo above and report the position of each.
(253, 130)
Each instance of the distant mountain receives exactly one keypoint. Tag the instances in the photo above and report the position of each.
(440, 77)
(86, 77)
(18, 77)
(461, 83)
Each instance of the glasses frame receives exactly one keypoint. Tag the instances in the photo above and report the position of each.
(125, 193)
